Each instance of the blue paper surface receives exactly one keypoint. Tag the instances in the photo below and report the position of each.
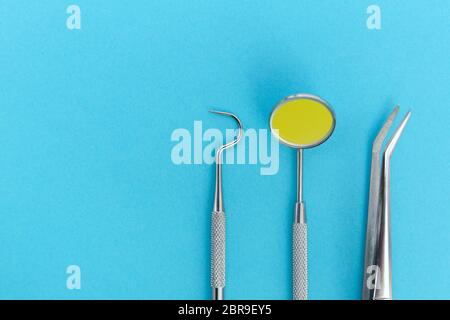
(86, 118)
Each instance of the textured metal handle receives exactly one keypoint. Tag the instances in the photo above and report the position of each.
(300, 261)
(218, 250)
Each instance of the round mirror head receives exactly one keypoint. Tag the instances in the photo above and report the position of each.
(302, 121)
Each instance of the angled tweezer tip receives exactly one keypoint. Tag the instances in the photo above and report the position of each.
(381, 136)
(396, 136)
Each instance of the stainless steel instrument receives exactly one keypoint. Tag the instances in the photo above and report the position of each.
(218, 220)
(295, 122)
(377, 283)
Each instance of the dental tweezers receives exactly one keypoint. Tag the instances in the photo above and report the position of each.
(377, 283)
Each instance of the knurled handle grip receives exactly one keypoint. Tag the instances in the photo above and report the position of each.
(218, 250)
(300, 261)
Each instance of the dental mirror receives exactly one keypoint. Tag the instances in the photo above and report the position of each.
(301, 121)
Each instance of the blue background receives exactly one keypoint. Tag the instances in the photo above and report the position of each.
(86, 116)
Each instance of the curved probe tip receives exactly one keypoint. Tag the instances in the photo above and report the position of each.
(237, 139)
